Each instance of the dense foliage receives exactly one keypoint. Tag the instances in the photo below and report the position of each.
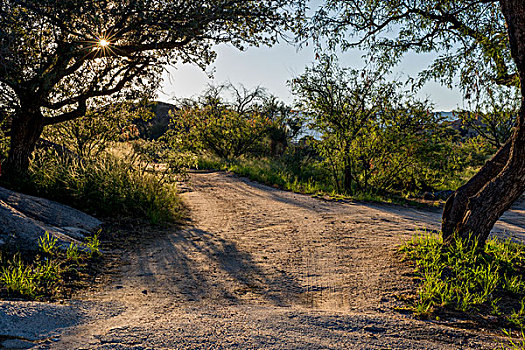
(375, 136)
(87, 165)
(59, 58)
(231, 121)
(353, 132)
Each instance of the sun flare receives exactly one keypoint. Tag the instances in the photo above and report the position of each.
(103, 42)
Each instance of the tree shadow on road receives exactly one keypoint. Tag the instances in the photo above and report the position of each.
(197, 265)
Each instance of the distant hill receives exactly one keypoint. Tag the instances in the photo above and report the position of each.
(154, 128)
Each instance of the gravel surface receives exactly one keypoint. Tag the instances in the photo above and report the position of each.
(257, 268)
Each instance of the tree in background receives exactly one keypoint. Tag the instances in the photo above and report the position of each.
(232, 121)
(60, 57)
(226, 128)
(341, 103)
(408, 148)
(480, 43)
(90, 135)
(379, 137)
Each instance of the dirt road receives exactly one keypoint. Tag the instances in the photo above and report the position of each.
(257, 268)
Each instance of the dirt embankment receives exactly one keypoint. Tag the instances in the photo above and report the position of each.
(259, 268)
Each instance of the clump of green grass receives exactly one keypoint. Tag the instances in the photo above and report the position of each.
(106, 186)
(93, 246)
(514, 341)
(44, 275)
(469, 279)
(271, 172)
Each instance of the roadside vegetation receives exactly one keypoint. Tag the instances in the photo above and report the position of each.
(350, 134)
(470, 282)
(99, 165)
(51, 273)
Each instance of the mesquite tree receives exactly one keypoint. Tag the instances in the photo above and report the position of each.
(341, 103)
(59, 57)
(479, 42)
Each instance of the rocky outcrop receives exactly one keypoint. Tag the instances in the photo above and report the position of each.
(24, 219)
(155, 127)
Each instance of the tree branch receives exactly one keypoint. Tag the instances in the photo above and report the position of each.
(77, 113)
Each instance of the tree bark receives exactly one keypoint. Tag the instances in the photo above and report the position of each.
(26, 128)
(456, 205)
(347, 172)
(474, 209)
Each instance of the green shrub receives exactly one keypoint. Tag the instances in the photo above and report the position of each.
(106, 186)
(19, 278)
(93, 246)
(308, 178)
(223, 131)
(273, 172)
(73, 253)
(47, 244)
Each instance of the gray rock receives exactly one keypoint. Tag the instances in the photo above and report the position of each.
(48, 212)
(17, 344)
(24, 219)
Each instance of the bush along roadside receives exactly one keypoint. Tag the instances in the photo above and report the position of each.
(309, 180)
(485, 285)
(50, 274)
(105, 186)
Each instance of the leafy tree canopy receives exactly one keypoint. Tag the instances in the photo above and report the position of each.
(469, 36)
(59, 56)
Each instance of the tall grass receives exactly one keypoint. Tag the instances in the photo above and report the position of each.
(105, 186)
(308, 179)
(270, 172)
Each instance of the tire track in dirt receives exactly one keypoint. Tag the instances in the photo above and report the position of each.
(260, 268)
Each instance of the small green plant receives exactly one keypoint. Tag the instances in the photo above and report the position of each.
(19, 279)
(517, 317)
(512, 342)
(43, 276)
(93, 245)
(72, 252)
(47, 271)
(47, 244)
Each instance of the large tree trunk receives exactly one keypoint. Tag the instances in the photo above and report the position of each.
(474, 209)
(26, 128)
(456, 205)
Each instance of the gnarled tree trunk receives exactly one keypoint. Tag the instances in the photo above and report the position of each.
(475, 207)
(26, 128)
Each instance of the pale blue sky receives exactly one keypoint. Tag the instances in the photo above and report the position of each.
(273, 67)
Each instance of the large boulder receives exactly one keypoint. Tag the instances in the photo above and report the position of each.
(24, 219)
